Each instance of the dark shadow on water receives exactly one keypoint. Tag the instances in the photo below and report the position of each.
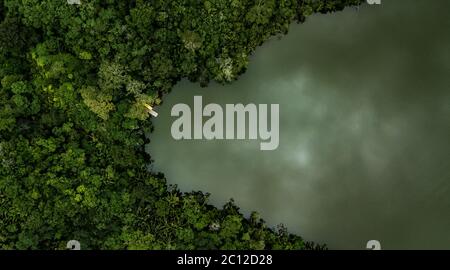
(364, 130)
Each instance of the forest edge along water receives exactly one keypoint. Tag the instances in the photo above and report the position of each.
(364, 127)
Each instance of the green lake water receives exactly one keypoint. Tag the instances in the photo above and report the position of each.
(364, 149)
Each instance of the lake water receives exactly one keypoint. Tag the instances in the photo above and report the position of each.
(364, 130)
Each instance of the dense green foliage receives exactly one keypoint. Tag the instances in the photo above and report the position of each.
(74, 83)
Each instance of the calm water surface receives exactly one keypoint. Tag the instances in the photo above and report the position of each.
(364, 130)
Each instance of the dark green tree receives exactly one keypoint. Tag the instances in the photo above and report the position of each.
(75, 82)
